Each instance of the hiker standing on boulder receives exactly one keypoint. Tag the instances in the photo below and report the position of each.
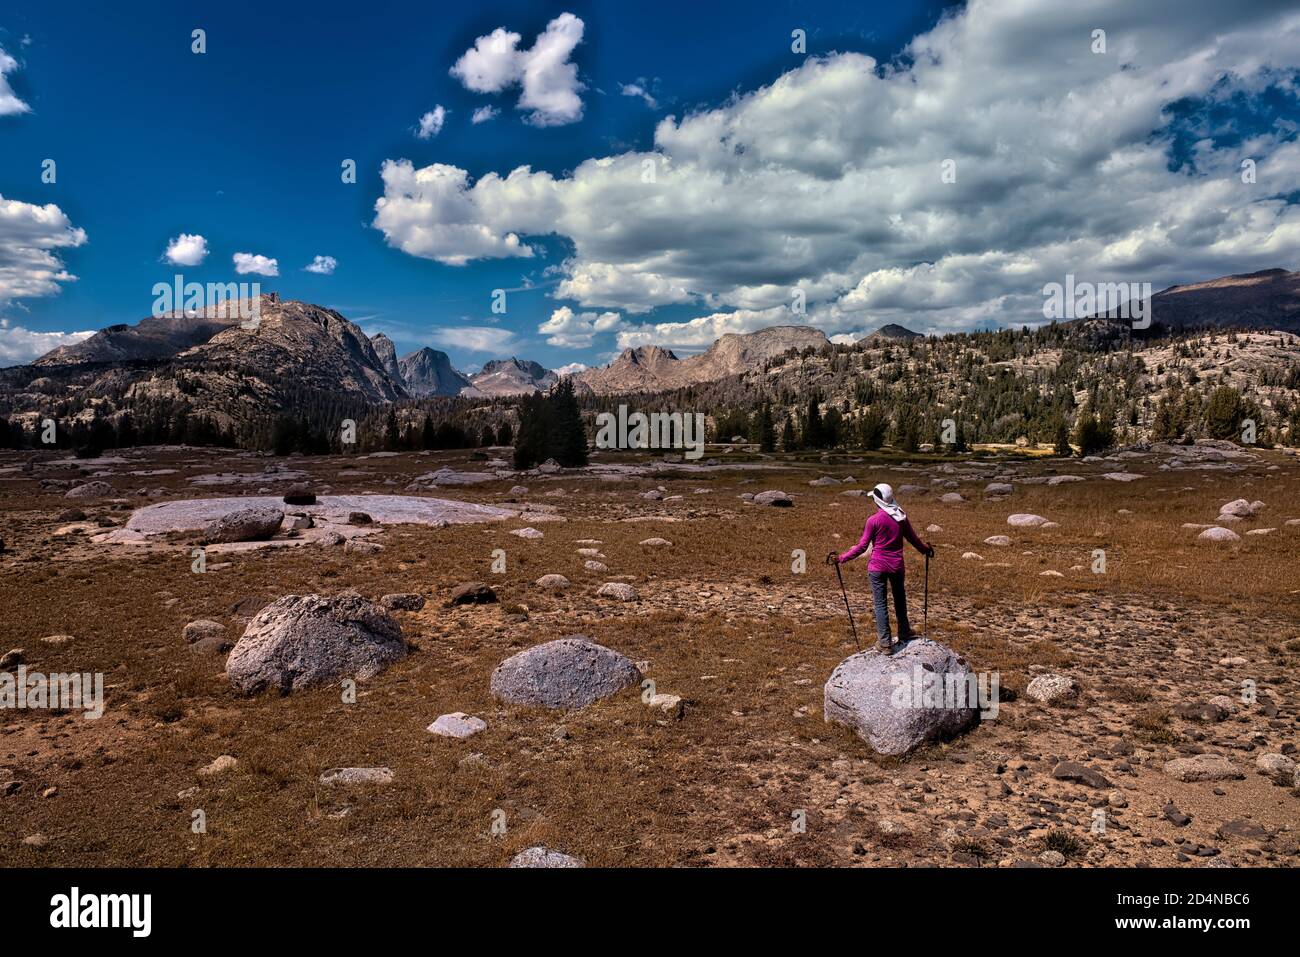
(884, 534)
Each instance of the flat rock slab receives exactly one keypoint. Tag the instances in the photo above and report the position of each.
(883, 698)
(1203, 767)
(357, 777)
(568, 673)
(195, 514)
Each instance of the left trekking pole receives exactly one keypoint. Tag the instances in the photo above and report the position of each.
(831, 560)
(927, 596)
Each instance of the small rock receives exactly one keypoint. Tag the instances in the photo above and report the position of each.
(457, 725)
(222, 764)
(1050, 688)
(527, 533)
(552, 582)
(1079, 773)
(472, 593)
(402, 601)
(1202, 767)
(542, 857)
(1026, 520)
(203, 628)
(1278, 768)
(357, 777)
(619, 591)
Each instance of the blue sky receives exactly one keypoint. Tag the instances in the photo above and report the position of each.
(810, 173)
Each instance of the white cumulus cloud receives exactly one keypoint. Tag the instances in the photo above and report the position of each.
(576, 330)
(187, 249)
(10, 105)
(258, 265)
(29, 236)
(431, 123)
(322, 265)
(548, 80)
(831, 178)
(483, 114)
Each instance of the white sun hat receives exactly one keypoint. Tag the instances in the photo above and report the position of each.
(883, 496)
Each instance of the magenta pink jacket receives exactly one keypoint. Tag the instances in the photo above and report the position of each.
(885, 538)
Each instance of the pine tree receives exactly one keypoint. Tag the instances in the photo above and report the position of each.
(569, 442)
(813, 434)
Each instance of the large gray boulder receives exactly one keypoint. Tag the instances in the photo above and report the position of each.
(568, 673)
(305, 640)
(244, 525)
(882, 697)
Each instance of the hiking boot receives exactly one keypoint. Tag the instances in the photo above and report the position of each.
(886, 648)
(907, 637)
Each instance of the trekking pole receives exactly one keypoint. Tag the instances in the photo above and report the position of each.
(845, 593)
(927, 596)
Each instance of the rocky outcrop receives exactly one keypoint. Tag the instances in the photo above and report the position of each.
(305, 640)
(429, 372)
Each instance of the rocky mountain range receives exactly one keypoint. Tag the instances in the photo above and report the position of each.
(652, 369)
(1266, 300)
(301, 355)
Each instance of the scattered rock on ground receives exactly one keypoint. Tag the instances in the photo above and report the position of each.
(472, 593)
(403, 601)
(304, 640)
(244, 525)
(542, 857)
(457, 725)
(619, 591)
(567, 673)
(1202, 767)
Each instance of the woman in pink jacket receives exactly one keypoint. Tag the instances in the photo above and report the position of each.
(884, 535)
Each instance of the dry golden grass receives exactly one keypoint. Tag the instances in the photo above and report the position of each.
(723, 622)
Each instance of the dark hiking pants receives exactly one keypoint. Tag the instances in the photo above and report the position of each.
(881, 583)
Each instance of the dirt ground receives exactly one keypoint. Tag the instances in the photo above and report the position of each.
(750, 774)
